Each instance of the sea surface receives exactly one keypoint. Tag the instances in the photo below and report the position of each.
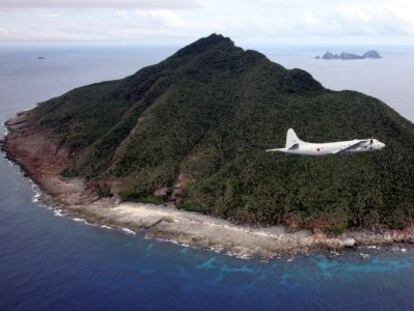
(51, 262)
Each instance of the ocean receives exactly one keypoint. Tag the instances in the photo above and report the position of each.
(51, 262)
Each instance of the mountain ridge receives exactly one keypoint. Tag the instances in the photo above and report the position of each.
(193, 129)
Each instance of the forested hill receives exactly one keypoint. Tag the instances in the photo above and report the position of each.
(194, 128)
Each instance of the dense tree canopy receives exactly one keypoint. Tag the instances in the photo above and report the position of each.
(203, 118)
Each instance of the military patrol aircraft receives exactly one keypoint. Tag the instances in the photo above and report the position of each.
(296, 146)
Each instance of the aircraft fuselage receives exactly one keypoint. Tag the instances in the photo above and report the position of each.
(296, 146)
(315, 149)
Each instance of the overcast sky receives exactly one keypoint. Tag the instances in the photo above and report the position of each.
(180, 21)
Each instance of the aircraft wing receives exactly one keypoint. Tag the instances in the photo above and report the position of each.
(358, 143)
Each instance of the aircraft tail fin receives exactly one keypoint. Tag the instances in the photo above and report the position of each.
(291, 139)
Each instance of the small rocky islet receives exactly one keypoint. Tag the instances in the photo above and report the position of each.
(371, 54)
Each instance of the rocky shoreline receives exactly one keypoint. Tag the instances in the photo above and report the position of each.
(43, 160)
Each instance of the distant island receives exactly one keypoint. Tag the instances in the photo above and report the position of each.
(177, 151)
(372, 54)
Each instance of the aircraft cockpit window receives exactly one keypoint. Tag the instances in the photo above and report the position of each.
(371, 141)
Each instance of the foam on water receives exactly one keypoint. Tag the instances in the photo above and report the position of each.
(128, 231)
(36, 197)
(81, 220)
(58, 212)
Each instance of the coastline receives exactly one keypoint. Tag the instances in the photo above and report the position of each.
(43, 159)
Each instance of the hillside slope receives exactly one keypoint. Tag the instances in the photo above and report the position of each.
(193, 129)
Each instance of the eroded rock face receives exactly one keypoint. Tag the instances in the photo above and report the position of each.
(43, 159)
(162, 192)
(347, 242)
(182, 181)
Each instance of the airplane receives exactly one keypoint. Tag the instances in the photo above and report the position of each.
(296, 146)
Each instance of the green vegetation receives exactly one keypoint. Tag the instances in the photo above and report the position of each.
(206, 115)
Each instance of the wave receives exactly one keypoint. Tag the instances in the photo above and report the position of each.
(84, 221)
(36, 198)
(128, 231)
(77, 219)
(11, 163)
(58, 212)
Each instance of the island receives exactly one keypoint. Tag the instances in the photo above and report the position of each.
(176, 151)
(350, 56)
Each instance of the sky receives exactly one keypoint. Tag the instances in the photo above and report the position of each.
(174, 22)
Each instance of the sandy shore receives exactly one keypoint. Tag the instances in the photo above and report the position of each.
(43, 160)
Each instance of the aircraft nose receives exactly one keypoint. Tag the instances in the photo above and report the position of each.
(382, 145)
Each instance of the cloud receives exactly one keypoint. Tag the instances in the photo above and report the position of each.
(163, 17)
(117, 4)
(179, 21)
(389, 18)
